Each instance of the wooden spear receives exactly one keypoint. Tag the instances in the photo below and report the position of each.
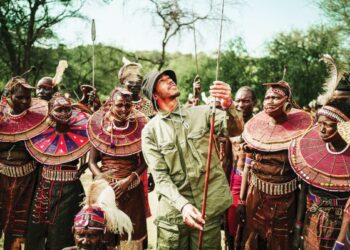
(211, 136)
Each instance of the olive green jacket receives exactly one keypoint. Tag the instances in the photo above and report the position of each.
(175, 147)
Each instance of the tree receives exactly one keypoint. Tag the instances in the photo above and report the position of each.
(25, 24)
(339, 12)
(300, 52)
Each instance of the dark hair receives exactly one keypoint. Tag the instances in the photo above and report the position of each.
(342, 104)
(249, 89)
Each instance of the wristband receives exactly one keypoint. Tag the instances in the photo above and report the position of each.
(226, 104)
(248, 161)
(338, 246)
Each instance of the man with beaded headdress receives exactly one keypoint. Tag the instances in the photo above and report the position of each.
(59, 191)
(98, 217)
(321, 158)
(22, 118)
(115, 133)
(130, 76)
(268, 196)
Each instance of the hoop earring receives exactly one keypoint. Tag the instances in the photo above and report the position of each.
(286, 107)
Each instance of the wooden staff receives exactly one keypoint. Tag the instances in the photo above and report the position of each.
(211, 136)
(93, 38)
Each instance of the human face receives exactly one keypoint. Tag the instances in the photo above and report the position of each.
(44, 90)
(88, 239)
(21, 99)
(273, 103)
(134, 86)
(327, 129)
(61, 110)
(244, 102)
(121, 107)
(166, 88)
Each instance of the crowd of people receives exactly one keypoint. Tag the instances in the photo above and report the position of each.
(278, 179)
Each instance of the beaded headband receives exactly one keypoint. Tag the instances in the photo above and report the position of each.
(333, 113)
(90, 218)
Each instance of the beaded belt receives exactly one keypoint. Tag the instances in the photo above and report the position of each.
(17, 171)
(274, 188)
(340, 202)
(59, 175)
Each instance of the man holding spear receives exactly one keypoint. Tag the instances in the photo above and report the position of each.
(175, 147)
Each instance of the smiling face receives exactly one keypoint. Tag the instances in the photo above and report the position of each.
(21, 99)
(121, 107)
(88, 239)
(166, 88)
(60, 110)
(274, 102)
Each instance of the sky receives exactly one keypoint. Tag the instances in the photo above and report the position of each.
(125, 24)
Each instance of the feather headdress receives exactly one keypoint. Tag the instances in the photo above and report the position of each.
(61, 67)
(130, 70)
(332, 81)
(102, 195)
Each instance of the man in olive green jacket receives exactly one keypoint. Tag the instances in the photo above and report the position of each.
(175, 147)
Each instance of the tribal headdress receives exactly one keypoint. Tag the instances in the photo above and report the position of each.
(100, 211)
(336, 81)
(130, 71)
(335, 106)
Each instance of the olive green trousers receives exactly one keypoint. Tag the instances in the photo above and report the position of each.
(181, 237)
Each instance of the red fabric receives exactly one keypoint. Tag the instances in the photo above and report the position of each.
(235, 186)
(144, 179)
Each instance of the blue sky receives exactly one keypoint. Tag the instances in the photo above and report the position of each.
(124, 24)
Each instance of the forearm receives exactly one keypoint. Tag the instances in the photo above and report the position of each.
(244, 184)
(301, 209)
(93, 160)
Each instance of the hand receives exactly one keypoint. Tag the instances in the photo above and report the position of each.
(297, 237)
(192, 217)
(197, 87)
(222, 91)
(121, 186)
(241, 214)
(81, 171)
(92, 97)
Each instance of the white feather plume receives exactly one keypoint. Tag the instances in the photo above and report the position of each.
(61, 67)
(102, 195)
(332, 81)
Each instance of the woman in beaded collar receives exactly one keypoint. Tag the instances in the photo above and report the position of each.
(115, 132)
(321, 158)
